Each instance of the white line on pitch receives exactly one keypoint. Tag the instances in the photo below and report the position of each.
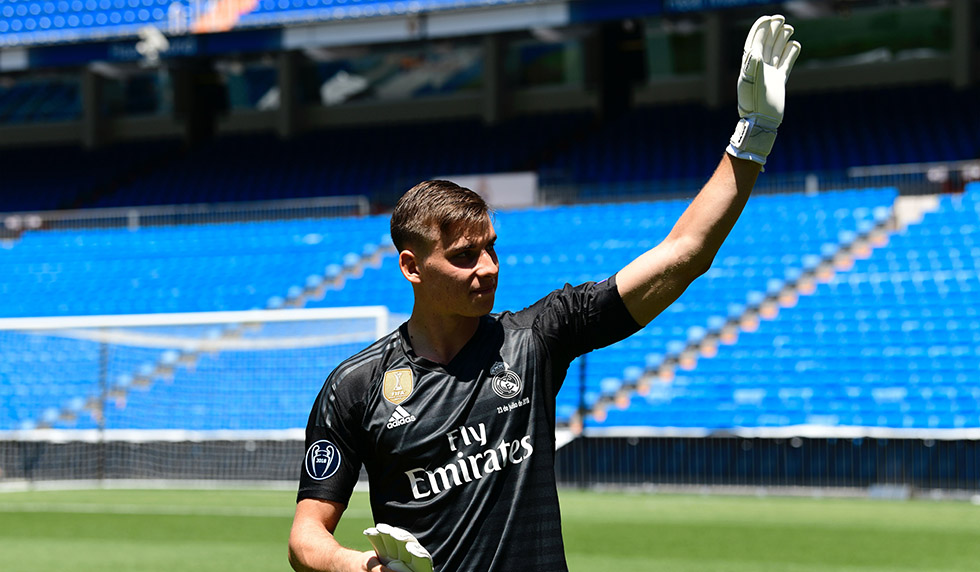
(87, 508)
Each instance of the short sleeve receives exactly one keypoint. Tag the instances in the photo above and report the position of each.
(331, 463)
(575, 320)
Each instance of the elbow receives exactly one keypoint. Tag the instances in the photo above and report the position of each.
(700, 266)
(294, 559)
(694, 259)
(297, 555)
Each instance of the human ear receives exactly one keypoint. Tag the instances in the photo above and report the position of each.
(409, 264)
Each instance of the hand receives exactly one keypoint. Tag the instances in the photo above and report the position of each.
(373, 564)
(767, 61)
(398, 550)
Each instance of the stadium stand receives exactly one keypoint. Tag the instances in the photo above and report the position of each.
(241, 266)
(40, 373)
(617, 158)
(375, 161)
(39, 100)
(174, 269)
(822, 317)
(632, 149)
(47, 21)
(889, 343)
(780, 238)
(189, 402)
(30, 184)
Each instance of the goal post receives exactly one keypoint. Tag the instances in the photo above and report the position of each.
(215, 396)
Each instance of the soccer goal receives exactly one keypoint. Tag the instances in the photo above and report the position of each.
(220, 396)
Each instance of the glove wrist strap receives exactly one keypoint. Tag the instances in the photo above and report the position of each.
(753, 139)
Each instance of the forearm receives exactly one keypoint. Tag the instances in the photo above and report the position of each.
(659, 276)
(312, 548)
(703, 227)
(310, 551)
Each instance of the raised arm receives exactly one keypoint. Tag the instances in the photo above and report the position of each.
(313, 548)
(651, 282)
(658, 277)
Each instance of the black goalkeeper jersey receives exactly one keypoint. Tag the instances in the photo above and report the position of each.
(462, 455)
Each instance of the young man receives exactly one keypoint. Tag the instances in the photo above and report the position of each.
(453, 414)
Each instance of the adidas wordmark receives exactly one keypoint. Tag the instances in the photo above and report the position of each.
(400, 417)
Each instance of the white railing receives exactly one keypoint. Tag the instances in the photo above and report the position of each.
(136, 217)
(909, 179)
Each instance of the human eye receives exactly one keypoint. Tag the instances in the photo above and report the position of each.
(468, 254)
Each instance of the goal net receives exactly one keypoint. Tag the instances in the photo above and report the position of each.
(203, 396)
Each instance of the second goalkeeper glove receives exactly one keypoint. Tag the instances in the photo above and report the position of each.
(398, 549)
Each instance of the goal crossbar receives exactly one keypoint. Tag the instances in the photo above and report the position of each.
(378, 313)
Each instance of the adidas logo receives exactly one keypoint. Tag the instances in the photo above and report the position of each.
(400, 417)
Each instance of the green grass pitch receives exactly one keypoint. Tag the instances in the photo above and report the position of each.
(246, 530)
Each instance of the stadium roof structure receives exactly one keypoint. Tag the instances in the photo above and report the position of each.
(45, 33)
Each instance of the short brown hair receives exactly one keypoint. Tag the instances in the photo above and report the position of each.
(434, 204)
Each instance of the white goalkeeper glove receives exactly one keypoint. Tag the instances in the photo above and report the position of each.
(398, 549)
(767, 60)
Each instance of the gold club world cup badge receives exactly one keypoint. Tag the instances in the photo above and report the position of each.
(398, 385)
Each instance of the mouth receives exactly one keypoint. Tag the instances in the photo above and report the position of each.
(483, 291)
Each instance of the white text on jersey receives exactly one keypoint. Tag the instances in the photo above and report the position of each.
(478, 435)
(468, 468)
(400, 417)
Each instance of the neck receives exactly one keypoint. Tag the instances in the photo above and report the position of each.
(440, 338)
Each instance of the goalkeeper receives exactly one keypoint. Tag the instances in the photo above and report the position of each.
(453, 414)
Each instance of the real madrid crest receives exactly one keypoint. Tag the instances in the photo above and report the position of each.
(505, 383)
(398, 385)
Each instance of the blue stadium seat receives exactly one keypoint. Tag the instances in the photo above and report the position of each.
(890, 342)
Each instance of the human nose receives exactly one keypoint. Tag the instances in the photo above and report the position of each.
(487, 264)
